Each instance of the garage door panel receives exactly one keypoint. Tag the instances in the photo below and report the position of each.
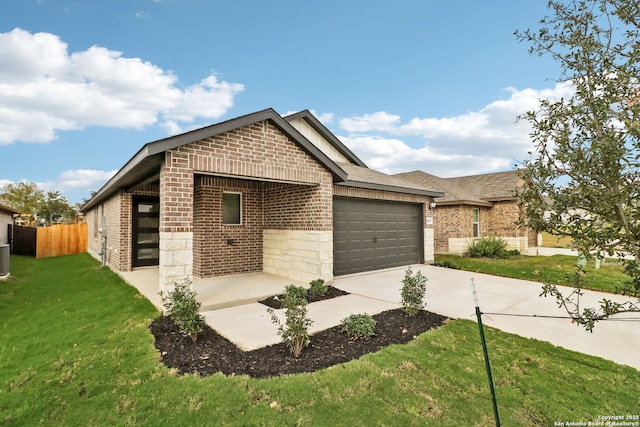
(371, 234)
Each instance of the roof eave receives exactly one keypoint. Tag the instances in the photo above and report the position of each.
(391, 188)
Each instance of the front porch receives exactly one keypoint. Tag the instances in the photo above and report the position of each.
(214, 292)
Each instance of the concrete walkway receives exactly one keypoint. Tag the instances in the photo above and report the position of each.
(448, 293)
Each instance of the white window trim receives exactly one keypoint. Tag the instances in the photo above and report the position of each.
(474, 222)
(241, 212)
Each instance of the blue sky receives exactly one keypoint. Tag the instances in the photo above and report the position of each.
(408, 84)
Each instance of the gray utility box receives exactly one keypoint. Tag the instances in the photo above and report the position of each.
(4, 260)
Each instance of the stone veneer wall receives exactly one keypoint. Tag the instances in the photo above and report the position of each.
(299, 255)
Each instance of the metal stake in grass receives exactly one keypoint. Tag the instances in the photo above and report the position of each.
(486, 354)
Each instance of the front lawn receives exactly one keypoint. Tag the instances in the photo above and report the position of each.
(75, 349)
(556, 269)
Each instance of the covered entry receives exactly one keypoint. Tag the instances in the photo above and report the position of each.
(373, 234)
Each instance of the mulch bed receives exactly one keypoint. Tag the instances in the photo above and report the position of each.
(276, 301)
(213, 353)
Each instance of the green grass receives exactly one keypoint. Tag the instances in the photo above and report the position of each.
(75, 350)
(556, 269)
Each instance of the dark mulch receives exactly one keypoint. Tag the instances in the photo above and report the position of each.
(213, 353)
(276, 301)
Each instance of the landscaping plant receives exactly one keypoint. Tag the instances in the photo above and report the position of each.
(413, 289)
(295, 331)
(317, 288)
(185, 310)
(359, 326)
(490, 247)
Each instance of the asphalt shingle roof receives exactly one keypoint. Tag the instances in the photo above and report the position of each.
(473, 189)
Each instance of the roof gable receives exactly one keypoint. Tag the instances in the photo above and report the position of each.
(322, 131)
(144, 166)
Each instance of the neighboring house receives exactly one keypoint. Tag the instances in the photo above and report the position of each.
(257, 193)
(6, 219)
(473, 207)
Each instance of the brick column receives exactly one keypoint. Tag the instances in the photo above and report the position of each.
(176, 220)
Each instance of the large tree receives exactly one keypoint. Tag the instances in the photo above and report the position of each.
(585, 169)
(55, 206)
(25, 197)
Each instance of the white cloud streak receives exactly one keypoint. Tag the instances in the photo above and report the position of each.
(44, 89)
(487, 140)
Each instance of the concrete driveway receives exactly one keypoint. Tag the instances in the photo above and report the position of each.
(449, 293)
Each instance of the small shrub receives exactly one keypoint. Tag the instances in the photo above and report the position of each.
(294, 292)
(295, 331)
(413, 289)
(317, 288)
(184, 308)
(359, 326)
(490, 247)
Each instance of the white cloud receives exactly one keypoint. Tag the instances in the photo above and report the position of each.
(82, 179)
(475, 142)
(142, 15)
(380, 121)
(44, 89)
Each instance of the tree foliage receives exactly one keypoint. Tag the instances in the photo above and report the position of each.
(23, 196)
(26, 197)
(585, 169)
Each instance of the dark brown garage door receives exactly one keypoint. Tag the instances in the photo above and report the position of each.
(371, 234)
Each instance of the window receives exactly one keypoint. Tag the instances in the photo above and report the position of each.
(476, 222)
(232, 208)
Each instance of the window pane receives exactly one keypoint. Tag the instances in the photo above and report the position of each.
(231, 208)
(148, 222)
(148, 238)
(148, 207)
(148, 253)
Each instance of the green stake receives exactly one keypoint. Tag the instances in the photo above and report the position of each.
(486, 354)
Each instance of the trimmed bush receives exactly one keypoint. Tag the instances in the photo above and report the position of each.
(317, 288)
(359, 326)
(490, 247)
(413, 289)
(295, 331)
(184, 308)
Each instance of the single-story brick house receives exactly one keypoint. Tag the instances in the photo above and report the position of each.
(473, 207)
(6, 218)
(257, 193)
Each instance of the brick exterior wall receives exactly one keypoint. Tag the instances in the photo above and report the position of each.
(456, 222)
(213, 253)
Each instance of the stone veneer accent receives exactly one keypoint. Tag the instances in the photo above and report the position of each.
(300, 255)
(460, 245)
(429, 250)
(176, 258)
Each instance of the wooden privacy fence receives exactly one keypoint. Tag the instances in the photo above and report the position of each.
(61, 239)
